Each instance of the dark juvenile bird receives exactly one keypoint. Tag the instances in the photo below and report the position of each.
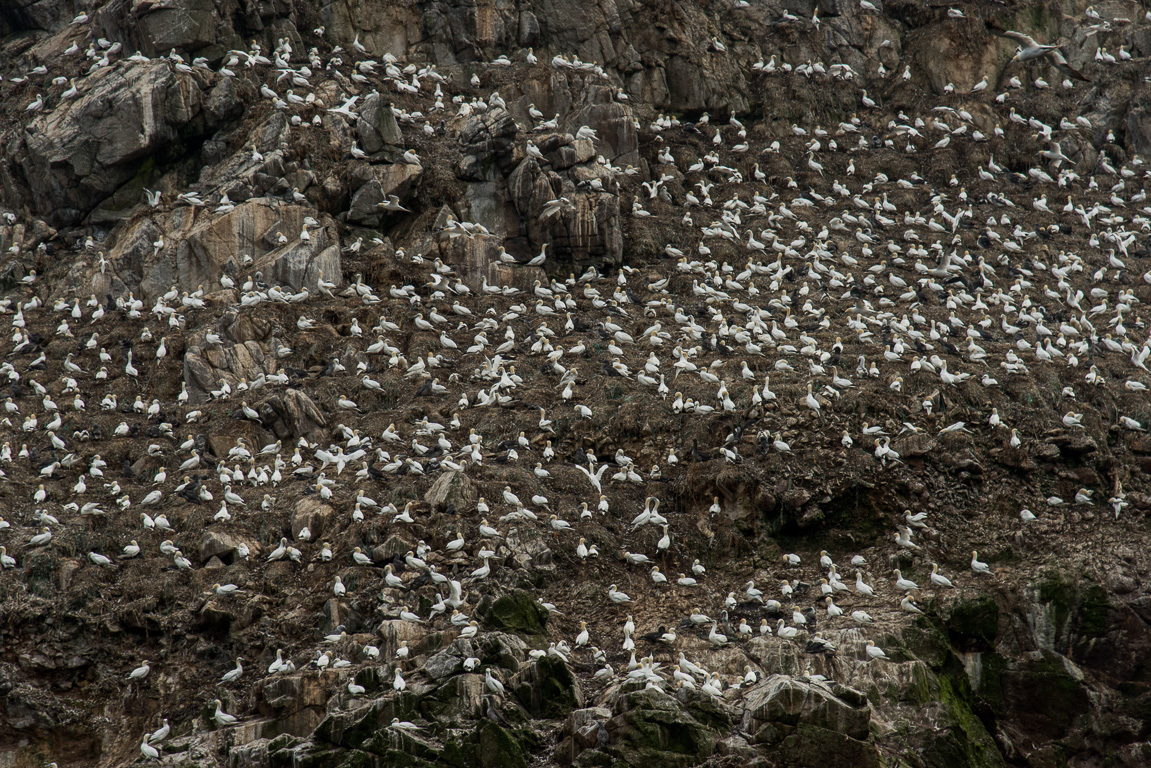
(492, 713)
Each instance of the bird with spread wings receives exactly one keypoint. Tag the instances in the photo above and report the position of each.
(1030, 49)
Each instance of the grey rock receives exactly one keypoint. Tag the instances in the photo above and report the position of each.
(351, 728)
(588, 232)
(205, 367)
(613, 122)
(452, 490)
(1139, 130)
(224, 102)
(790, 701)
(186, 25)
(36, 14)
(567, 152)
(529, 30)
(475, 260)
(647, 721)
(313, 514)
(399, 179)
(209, 246)
(217, 544)
(488, 145)
(377, 128)
(81, 152)
(449, 661)
(291, 414)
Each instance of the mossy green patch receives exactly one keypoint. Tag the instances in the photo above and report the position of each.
(970, 743)
(919, 691)
(549, 689)
(1059, 593)
(357, 759)
(457, 754)
(1078, 607)
(1093, 611)
(657, 732)
(517, 612)
(497, 748)
(990, 689)
(1048, 681)
(974, 624)
(813, 746)
(927, 639)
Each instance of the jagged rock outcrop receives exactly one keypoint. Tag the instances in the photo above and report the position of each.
(288, 245)
(77, 155)
(379, 183)
(452, 491)
(781, 702)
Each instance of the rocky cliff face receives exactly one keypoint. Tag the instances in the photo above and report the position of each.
(432, 384)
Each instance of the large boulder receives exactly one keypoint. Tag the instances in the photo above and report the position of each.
(208, 246)
(488, 150)
(78, 154)
(517, 612)
(451, 491)
(549, 689)
(822, 748)
(187, 25)
(782, 700)
(588, 231)
(962, 62)
(298, 702)
(613, 122)
(476, 259)
(649, 727)
(399, 179)
(34, 14)
(376, 127)
(219, 544)
(313, 514)
(352, 727)
(291, 414)
(206, 366)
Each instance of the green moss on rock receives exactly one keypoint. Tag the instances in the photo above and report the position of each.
(594, 758)
(1045, 697)
(974, 624)
(968, 742)
(990, 688)
(357, 759)
(919, 691)
(517, 612)
(497, 748)
(549, 689)
(927, 640)
(812, 746)
(653, 730)
(1094, 608)
(1059, 594)
(1078, 609)
(458, 754)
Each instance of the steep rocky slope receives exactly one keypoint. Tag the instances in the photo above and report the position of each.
(829, 281)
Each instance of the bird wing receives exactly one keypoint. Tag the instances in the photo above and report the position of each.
(1025, 39)
(1061, 63)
